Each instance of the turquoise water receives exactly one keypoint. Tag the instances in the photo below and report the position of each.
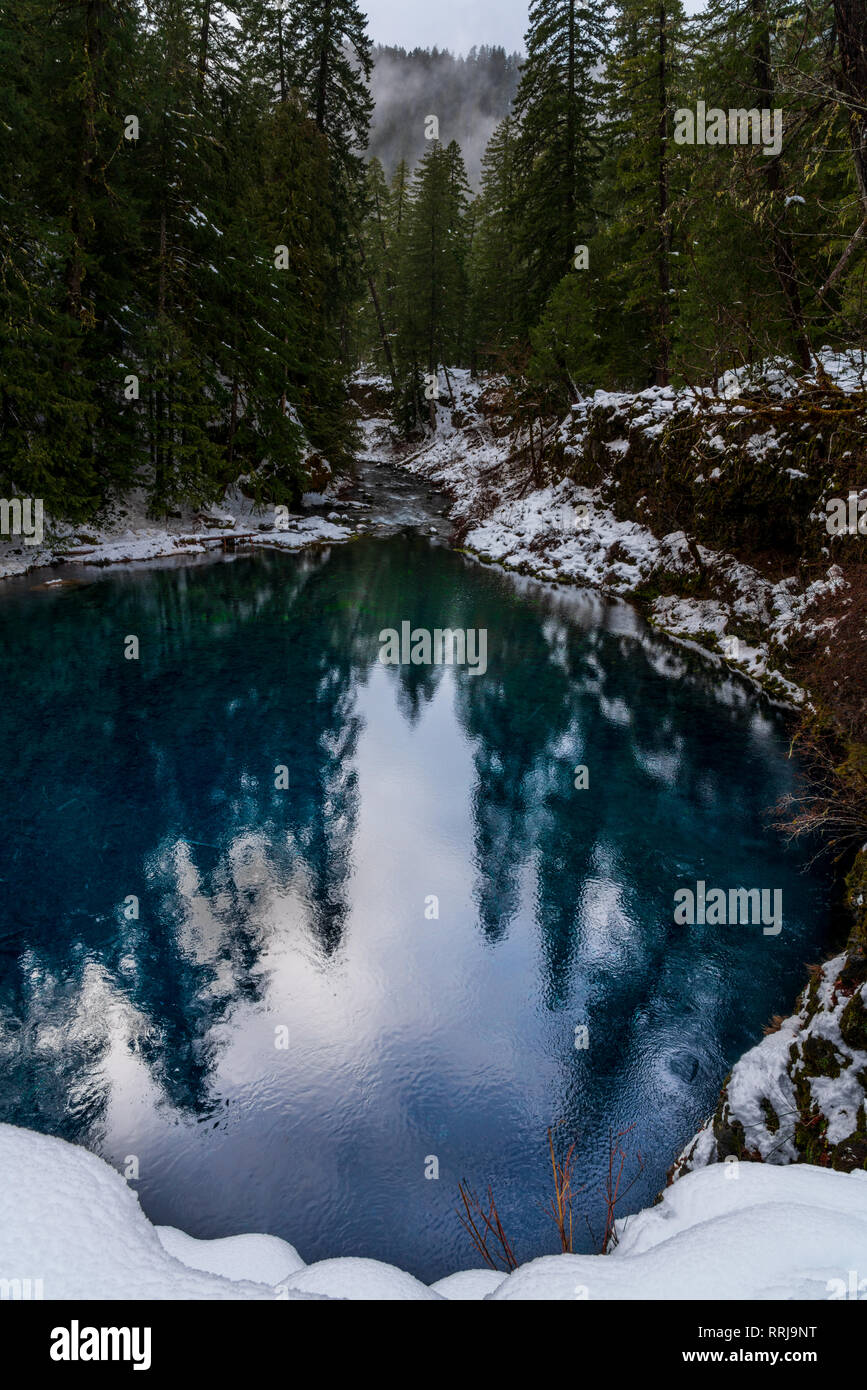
(285, 1036)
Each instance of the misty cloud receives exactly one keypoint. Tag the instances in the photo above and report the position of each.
(470, 96)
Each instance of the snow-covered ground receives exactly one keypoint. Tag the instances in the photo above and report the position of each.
(743, 1231)
(127, 534)
(562, 532)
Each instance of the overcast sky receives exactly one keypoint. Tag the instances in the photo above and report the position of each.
(455, 24)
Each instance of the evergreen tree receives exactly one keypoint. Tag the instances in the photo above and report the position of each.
(643, 73)
(432, 276)
(334, 62)
(557, 106)
(495, 267)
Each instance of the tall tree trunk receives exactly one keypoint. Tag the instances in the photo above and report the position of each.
(203, 44)
(163, 276)
(282, 56)
(664, 252)
(78, 212)
(322, 76)
(850, 18)
(380, 319)
(571, 136)
(782, 251)
(233, 419)
(432, 350)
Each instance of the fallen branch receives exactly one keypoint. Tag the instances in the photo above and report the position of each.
(844, 260)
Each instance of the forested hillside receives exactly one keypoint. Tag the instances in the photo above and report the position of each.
(604, 249)
(197, 246)
(180, 189)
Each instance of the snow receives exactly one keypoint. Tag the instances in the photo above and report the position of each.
(69, 1219)
(769, 1071)
(261, 1259)
(360, 1279)
(777, 377)
(469, 1284)
(538, 532)
(127, 534)
(749, 1231)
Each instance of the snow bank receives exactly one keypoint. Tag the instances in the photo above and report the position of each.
(128, 534)
(69, 1219)
(747, 1231)
(261, 1259)
(563, 532)
(725, 1233)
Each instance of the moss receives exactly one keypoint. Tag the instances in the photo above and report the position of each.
(820, 1058)
(853, 1024)
(772, 1119)
(810, 1127)
(811, 1140)
(854, 972)
(731, 1139)
(851, 1153)
(856, 890)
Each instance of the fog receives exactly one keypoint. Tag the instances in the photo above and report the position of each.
(469, 96)
(456, 24)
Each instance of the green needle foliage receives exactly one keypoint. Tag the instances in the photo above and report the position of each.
(601, 250)
(180, 193)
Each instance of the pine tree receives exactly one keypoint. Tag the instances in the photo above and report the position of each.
(494, 267)
(333, 64)
(643, 72)
(558, 151)
(432, 277)
(75, 209)
(375, 325)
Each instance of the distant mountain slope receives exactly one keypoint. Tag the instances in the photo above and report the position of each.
(468, 94)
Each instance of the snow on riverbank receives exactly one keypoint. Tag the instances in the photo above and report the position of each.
(70, 1221)
(800, 1095)
(128, 534)
(802, 1091)
(562, 532)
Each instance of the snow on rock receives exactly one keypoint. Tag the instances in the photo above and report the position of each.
(800, 1095)
(560, 531)
(469, 1284)
(777, 377)
(261, 1259)
(127, 534)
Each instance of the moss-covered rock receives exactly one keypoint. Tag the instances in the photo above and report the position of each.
(772, 1119)
(853, 1024)
(820, 1057)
